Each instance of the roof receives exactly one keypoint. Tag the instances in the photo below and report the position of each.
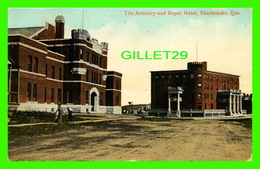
(181, 71)
(26, 31)
(168, 71)
(226, 74)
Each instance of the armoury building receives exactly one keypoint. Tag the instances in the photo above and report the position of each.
(44, 69)
(195, 92)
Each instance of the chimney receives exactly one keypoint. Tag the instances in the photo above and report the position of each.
(59, 20)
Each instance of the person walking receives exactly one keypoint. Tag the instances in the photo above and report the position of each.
(70, 117)
(59, 111)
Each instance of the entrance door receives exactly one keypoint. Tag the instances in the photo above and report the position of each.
(93, 101)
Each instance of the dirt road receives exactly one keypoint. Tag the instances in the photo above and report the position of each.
(139, 140)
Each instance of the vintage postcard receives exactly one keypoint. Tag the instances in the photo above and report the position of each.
(130, 84)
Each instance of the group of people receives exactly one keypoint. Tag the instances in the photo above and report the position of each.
(59, 113)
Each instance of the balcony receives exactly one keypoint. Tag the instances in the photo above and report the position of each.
(80, 71)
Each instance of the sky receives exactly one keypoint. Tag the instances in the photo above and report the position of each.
(224, 41)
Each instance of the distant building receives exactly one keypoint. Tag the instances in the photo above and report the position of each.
(247, 103)
(199, 89)
(53, 69)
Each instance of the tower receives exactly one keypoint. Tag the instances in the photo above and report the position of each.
(59, 20)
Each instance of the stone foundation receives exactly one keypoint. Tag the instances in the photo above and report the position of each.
(34, 106)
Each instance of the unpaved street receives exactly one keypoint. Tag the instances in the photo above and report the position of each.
(139, 140)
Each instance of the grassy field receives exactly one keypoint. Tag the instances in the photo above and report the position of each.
(45, 123)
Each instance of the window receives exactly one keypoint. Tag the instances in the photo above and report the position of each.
(59, 95)
(29, 91)
(81, 53)
(100, 78)
(211, 106)
(95, 59)
(117, 85)
(87, 75)
(216, 78)
(199, 95)
(60, 73)
(53, 72)
(100, 62)
(87, 95)
(211, 86)
(45, 94)
(199, 85)
(52, 95)
(211, 96)
(105, 63)
(199, 75)
(87, 57)
(36, 64)
(205, 106)
(97, 78)
(46, 70)
(192, 76)
(94, 77)
(35, 92)
(30, 63)
(117, 100)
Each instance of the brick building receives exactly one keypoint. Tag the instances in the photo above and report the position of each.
(193, 89)
(53, 69)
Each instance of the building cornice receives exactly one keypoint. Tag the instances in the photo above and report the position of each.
(77, 44)
(113, 90)
(32, 73)
(28, 46)
(29, 39)
(113, 75)
(56, 60)
(81, 81)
